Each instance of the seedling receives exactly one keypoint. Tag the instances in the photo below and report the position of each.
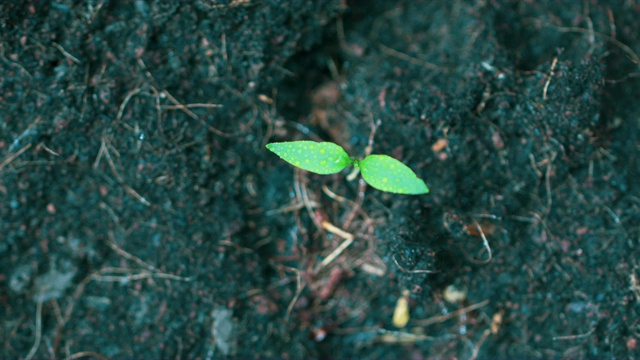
(380, 171)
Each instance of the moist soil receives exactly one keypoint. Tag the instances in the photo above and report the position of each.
(142, 217)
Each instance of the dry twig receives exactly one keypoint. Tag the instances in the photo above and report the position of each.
(13, 156)
(337, 251)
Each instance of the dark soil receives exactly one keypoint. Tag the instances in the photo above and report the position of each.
(141, 215)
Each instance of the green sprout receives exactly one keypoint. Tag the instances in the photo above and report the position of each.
(380, 171)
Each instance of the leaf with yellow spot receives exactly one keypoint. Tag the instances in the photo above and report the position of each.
(318, 157)
(388, 174)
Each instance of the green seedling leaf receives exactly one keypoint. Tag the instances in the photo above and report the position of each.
(318, 157)
(388, 174)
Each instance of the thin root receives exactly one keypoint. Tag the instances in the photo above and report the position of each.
(36, 342)
(485, 245)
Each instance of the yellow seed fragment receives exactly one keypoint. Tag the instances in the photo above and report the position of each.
(401, 313)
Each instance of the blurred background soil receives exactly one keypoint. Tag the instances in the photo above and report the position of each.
(141, 215)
